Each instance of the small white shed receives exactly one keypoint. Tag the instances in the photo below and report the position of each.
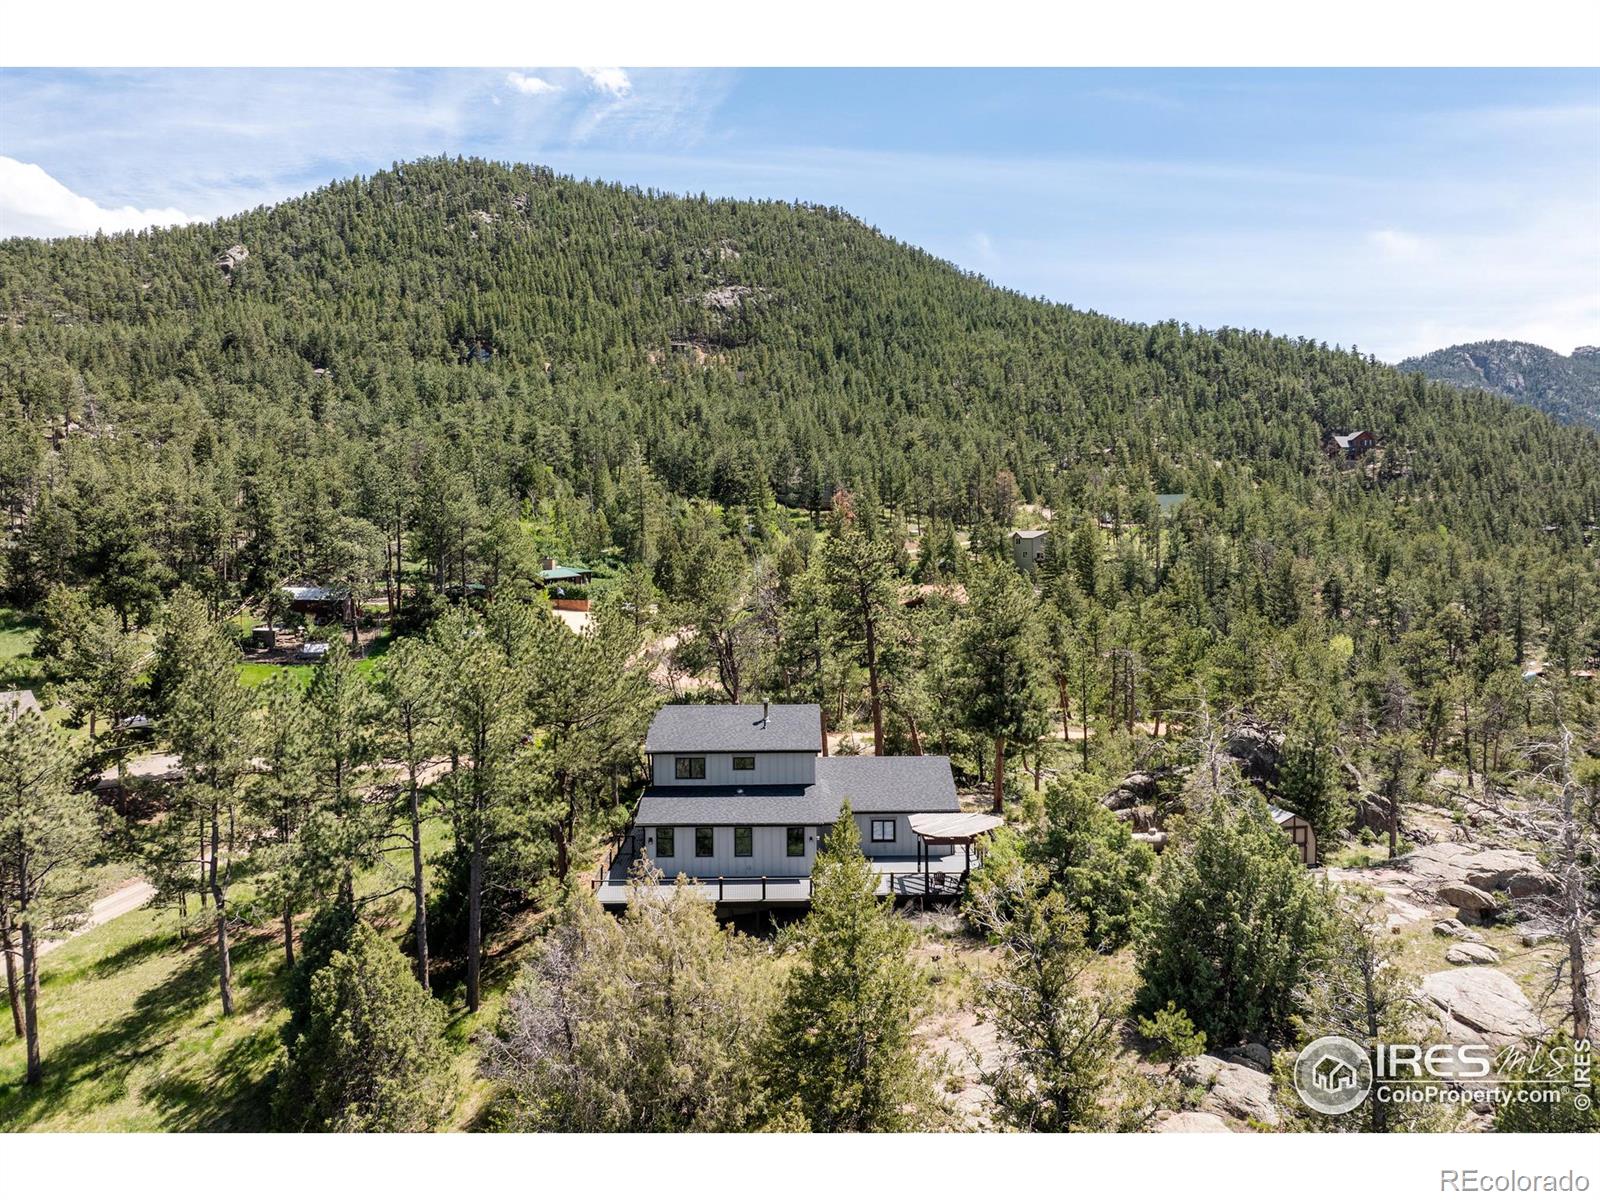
(1299, 831)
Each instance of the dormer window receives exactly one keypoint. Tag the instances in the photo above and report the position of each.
(744, 762)
(689, 768)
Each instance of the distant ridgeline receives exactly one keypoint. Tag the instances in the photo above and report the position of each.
(1568, 388)
(456, 335)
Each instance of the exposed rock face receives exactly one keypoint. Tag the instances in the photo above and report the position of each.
(1489, 870)
(1137, 790)
(1243, 1093)
(1251, 1054)
(230, 258)
(1192, 1122)
(1469, 953)
(1257, 750)
(728, 297)
(1480, 1004)
(1452, 928)
(1472, 901)
(1568, 388)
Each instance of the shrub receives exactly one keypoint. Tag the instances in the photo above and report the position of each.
(371, 1055)
(1234, 926)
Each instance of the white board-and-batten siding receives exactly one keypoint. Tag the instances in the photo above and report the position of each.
(769, 852)
(771, 768)
(905, 842)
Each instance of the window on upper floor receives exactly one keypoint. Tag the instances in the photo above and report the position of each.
(744, 841)
(744, 762)
(883, 831)
(689, 768)
(705, 844)
(795, 841)
(665, 847)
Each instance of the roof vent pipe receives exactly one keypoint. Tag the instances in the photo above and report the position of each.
(764, 707)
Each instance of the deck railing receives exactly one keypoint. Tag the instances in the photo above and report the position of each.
(900, 883)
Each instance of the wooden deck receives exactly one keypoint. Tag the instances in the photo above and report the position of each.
(896, 876)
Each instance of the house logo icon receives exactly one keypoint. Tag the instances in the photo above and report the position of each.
(1333, 1075)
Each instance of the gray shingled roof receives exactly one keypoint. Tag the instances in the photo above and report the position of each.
(870, 784)
(909, 784)
(313, 593)
(735, 806)
(714, 728)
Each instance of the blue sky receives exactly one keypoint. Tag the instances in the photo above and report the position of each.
(1398, 211)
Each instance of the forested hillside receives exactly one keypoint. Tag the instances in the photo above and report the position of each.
(1566, 387)
(787, 452)
(748, 351)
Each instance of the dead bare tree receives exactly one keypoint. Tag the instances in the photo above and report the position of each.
(1564, 823)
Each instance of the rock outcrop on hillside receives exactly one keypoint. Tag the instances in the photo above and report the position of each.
(1480, 1004)
(1566, 387)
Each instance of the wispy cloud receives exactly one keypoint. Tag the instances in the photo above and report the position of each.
(530, 85)
(1399, 245)
(34, 204)
(613, 81)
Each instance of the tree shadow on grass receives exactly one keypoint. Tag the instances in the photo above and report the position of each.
(92, 1071)
(120, 960)
(234, 1095)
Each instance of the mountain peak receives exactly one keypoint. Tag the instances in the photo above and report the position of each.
(1568, 388)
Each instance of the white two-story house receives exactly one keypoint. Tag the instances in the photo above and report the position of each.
(740, 798)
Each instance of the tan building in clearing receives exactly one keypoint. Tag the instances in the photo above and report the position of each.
(1299, 831)
(13, 704)
(1029, 548)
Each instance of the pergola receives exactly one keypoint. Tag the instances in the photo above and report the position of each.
(950, 829)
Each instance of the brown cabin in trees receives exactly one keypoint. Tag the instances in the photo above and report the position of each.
(324, 605)
(1349, 445)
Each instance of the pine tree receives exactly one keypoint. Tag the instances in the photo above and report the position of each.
(371, 1056)
(1058, 1028)
(671, 1006)
(843, 1041)
(47, 834)
(1091, 859)
(1310, 781)
(1358, 991)
(481, 704)
(209, 726)
(410, 735)
(281, 798)
(1004, 692)
(858, 575)
(346, 826)
(1234, 925)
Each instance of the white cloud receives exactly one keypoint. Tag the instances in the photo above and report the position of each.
(531, 85)
(613, 81)
(35, 204)
(1399, 245)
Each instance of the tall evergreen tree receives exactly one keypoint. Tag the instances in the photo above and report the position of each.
(47, 835)
(1004, 687)
(843, 1041)
(208, 725)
